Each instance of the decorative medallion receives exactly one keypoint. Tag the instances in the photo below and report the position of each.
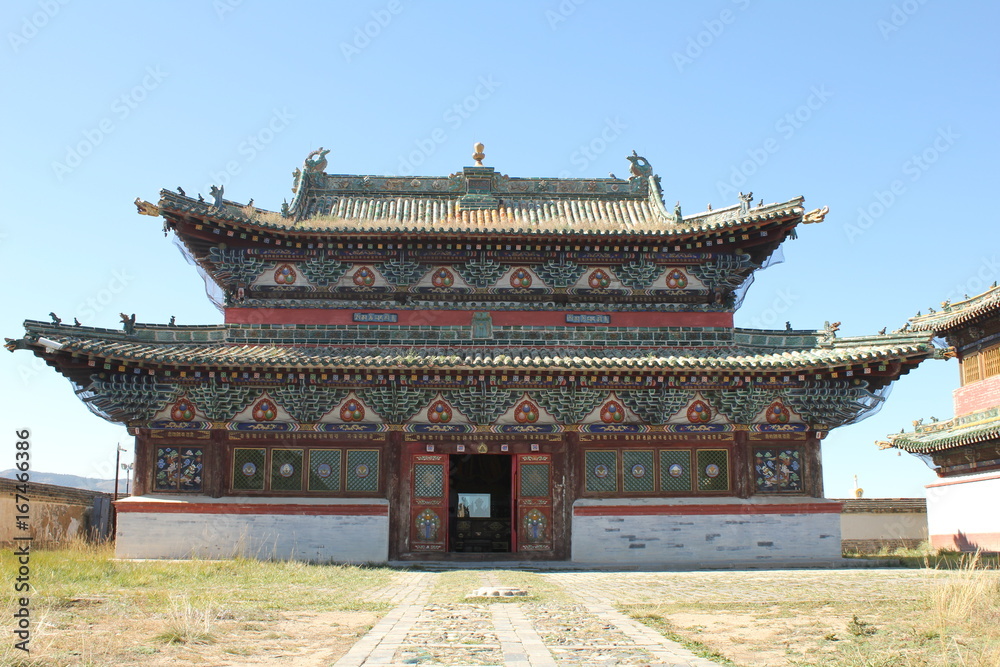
(599, 279)
(323, 470)
(427, 524)
(520, 278)
(286, 470)
(443, 278)
(676, 470)
(439, 413)
(778, 413)
(638, 471)
(699, 413)
(711, 470)
(265, 410)
(249, 469)
(601, 471)
(362, 470)
(364, 277)
(352, 411)
(285, 275)
(612, 413)
(534, 526)
(676, 279)
(183, 411)
(526, 413)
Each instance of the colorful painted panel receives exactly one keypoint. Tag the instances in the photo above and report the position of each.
(324, 469)
(601, 472)
(534, 527)
(248, 469)
(428, 480)
(286, 469)
(713, 470)
(778, 470)
(178, 469)
(637, 471)
(535, 480)
(362, 470)
(675, 471)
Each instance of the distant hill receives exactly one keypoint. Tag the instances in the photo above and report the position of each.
(72, 481)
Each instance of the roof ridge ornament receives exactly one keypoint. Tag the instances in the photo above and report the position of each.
(815, 215)
(478, 155)
(640, 165)
(316, 161)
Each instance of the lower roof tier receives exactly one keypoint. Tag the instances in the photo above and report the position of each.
(317, 348)
(939, 436)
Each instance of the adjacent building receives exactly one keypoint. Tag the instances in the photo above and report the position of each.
(964, 450)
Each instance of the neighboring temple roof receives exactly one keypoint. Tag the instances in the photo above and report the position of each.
(301, 349)
(967, 429)
(953, 315)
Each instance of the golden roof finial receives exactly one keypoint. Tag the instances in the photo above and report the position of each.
(478, 155)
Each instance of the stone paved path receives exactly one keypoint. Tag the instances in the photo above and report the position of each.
(585, 631)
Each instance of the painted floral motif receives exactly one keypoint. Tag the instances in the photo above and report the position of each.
(428, 523)
(364, 277)
(178, 469)
(265, 410)
(352, 411)
(182, 411)
(778, 413)
(285, 275)
(699, 413)
(520, 278)
(612, 413)
(778, 470)
(439, 413)
(443, 278)
(676, 279)
(526, 413)
(534, 526)
(599, 279)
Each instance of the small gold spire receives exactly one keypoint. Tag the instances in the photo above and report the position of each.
(478, 155)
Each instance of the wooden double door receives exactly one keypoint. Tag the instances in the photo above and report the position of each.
(480, 503)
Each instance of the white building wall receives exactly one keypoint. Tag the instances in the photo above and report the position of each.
(964, 513)
(265, 533)
(774, 530)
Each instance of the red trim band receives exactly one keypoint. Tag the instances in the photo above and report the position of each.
(464, 317)
(247, 508)
(963, 481)
(689, 510)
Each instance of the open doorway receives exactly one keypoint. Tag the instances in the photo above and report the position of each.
(479, 503)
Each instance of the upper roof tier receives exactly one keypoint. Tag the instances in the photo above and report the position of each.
(480, 202)
(955, 315)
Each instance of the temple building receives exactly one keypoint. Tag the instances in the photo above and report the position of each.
(964, 450)
(478, 366)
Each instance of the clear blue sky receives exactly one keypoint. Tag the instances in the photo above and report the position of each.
(884, 111)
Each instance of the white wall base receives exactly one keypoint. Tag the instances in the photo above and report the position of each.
(730, 532)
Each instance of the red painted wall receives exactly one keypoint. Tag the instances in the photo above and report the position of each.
(977, 396)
